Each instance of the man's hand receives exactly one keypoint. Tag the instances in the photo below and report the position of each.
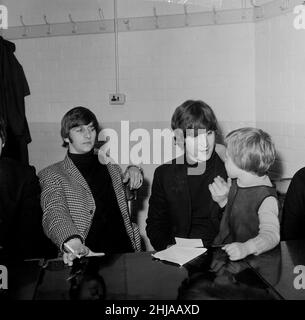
(134, 176)
(219, 190)
(236, 250)
(76, 249)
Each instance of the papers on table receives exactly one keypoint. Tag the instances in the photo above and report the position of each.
(182, 252)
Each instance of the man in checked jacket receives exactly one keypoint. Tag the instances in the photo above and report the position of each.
(83, 201)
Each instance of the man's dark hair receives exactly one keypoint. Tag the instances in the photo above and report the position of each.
(75, 117)
(2, 130)
(194, 114)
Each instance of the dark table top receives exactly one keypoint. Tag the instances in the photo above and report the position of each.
(120, 277)
(138, 276)
(23, 278)
(277, 269)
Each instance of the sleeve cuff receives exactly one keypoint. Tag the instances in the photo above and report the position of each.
(69, 238)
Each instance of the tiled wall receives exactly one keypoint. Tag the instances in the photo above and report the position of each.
(280, 90)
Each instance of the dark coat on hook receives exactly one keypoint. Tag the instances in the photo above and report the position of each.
(13, 89)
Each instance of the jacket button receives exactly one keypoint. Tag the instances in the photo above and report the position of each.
(91, 211)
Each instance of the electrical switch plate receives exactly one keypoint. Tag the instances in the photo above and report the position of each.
(117, 98)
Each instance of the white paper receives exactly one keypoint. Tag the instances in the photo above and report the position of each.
(179, 255)
(190, 243)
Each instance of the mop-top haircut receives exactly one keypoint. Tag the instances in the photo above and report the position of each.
(194, 114)
(251, 150)
(75, 117)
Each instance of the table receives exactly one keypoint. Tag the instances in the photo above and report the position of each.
(137, 276)
(23, 279)
(276, 268)
(125, 276)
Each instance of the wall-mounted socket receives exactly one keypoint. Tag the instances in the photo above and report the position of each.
(117, 98)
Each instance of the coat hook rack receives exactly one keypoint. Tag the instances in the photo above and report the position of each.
(186, 15)
(25, 28)
(156, 18)
(126, 22)
(248, 11)
(74, 30)
(101, 15)
(48, 24)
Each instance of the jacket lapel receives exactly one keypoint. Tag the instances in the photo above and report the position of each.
(118, 187)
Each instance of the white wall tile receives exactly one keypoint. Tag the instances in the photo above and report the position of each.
(279, 87)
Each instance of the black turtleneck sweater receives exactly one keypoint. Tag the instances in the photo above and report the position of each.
(107, 232)
(202, 225)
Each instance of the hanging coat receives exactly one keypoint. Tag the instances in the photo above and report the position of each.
(13, 88)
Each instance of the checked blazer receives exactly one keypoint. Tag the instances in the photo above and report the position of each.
(68, 204)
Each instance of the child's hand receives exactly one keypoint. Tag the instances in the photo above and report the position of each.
(219, 190)
(236, 250)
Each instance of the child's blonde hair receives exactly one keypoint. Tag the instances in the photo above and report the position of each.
(251, 150)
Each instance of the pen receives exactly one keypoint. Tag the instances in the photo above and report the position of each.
(72, 251)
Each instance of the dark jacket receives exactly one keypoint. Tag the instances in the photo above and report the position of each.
(13, 88)
(293, 219)
(170, 212)
(21, 233)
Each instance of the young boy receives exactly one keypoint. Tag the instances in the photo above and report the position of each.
(250, 223)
